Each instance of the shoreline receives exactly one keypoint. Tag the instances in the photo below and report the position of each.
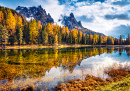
(119, 79)
(58, 46)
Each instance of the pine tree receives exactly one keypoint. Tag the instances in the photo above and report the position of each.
(59, 35)
(3, 35)
(1, 17)
(75, 34)
(95, 39)
(50, 32)
(90, 38)
(67, 34)
(10, 22)
(20, 36)
(26, 33)
(100, 39)
(45, 36)
(39, 30)
(128, 39)
(79, 36)
(33, 31)
(120, 40)
(49, 29)
(56, 39)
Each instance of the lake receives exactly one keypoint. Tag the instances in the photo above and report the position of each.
(47, 68)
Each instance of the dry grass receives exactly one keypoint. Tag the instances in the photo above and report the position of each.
(96, 83)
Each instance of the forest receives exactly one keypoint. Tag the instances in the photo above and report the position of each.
(15, 30)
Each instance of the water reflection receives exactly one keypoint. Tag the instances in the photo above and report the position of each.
(46, 68)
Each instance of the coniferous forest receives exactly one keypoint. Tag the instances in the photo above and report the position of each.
(15, 30)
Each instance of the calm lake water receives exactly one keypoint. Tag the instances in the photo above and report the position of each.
(47, 68)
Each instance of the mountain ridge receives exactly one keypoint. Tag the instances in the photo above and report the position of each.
(71, 22)
(37, 13)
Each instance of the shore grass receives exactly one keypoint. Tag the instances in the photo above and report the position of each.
(119, 81)
(123, 85)
(55, 46)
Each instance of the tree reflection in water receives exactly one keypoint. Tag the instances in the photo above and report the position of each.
(33, 66)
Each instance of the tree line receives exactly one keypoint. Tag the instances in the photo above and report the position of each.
(15, 30)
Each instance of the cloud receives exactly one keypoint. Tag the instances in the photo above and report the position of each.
(52, 7)
(100, 16)
(85, 18)
(120, 17)
(122, 3)
(103, 16)
(120, 30)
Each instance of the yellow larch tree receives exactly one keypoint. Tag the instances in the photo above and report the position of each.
(67, 30)
(75, 34)
(39, 25)
(63, 30)
(10, 22)
(33, 31)
(49, 29)
(1, 17)
(55, 29)
(20, 23)
(80, 36)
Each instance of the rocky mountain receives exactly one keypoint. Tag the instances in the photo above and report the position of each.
(37, 13)
(71, 23)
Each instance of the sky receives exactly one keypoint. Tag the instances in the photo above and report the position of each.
(110, 17)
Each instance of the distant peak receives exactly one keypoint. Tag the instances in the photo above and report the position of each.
(49, 14)
(71, 15)
(40, 6)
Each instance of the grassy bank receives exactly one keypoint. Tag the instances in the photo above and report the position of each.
(123, 85)
(54, 46)
(119, 81)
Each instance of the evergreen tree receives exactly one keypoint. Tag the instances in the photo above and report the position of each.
(3, 35)
(128, 40)
(26, 33)
(1, 17)
(45, 36)
(120, 40)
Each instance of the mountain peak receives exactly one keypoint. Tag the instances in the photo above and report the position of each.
(71, 15)
(40, 6)
(70, 21)
(37, 13)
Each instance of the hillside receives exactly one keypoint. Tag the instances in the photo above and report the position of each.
(5, 10)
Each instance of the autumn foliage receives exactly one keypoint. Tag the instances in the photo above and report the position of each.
(20, 31)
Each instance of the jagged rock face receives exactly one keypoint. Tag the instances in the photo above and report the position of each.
(70, 22)
(37, 13)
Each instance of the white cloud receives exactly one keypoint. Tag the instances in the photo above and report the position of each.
(98, 10)
(52, 7)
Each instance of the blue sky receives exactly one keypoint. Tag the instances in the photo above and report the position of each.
(111, 17)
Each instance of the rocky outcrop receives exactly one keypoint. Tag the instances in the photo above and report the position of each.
(70, 21)
(37, 13)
